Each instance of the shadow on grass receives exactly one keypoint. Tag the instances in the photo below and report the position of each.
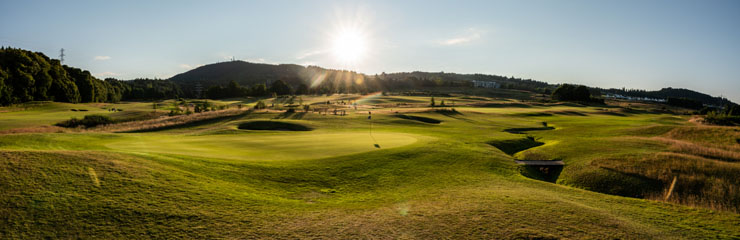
(419, 119)
(542, 173)
(612, 113)
(522, 130)
(273, 125)
(503, 105)
(625, 184)
(512, 146)
(533, 114)
(452, 113)
(448, 112)
(569, 113)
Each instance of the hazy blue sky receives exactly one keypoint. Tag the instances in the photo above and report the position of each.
(634, 44)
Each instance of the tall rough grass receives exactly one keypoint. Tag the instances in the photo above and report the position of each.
(703, 151)
(704, 160)
(712, 136)
(39, 129)
(700, 182)
(168, 121)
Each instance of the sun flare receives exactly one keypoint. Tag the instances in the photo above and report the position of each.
(349, 46)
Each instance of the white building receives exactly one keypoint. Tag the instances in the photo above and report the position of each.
(485, 84)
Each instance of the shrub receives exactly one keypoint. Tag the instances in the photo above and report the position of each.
(722, 119)
(88, 121)
(420, 119)
(260, 105)
(445, 111)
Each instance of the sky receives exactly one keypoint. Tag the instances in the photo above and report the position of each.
(611, 44)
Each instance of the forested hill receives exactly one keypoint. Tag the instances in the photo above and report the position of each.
(244, 73)
(32, 76)
(323, 80)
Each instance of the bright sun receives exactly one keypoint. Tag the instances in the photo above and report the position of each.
(349, 46)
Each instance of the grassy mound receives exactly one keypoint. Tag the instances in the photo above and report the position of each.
(273, 125)
(512, 146)
(420, 119)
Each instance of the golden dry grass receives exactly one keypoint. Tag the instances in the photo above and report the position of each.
(39, 129)
(168, 121)
(686, 147)
(712, 136)
(705, 165)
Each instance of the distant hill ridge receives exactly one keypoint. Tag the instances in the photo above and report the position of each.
(248, 74)
(244, 73)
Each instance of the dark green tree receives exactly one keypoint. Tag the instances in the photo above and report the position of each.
(234, 90)
(84, 81)
(302, 89)
(568, 92)
(279, 87)
(259, 90)
(63, 88)
(5, 91)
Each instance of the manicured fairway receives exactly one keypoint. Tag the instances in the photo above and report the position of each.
(263, 147)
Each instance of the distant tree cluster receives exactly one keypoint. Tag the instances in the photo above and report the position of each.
(684, 102)
(32, 76)
(577, 93)
(234, 90)
(149, 89)
(728, 115)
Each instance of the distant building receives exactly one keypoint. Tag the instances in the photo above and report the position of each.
(485, 84)
(631, 98)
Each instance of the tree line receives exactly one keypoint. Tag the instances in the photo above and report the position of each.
(234, 90)
(32, 76)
